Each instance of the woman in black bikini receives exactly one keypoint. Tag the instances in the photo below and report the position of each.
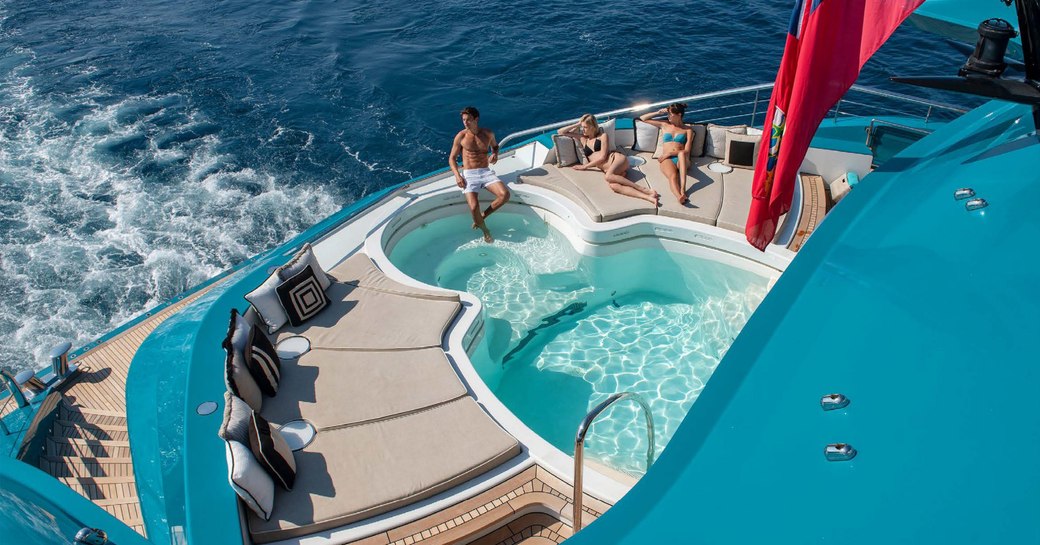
(614, 164)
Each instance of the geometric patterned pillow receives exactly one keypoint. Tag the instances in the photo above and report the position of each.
(302, 297)
(263, 362)
(304, 258)
(271, 450)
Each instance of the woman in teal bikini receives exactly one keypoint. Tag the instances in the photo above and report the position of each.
(676, 139)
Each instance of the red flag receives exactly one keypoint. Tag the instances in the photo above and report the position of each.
(827, 44)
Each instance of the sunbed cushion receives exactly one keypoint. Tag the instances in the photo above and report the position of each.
(567, 151)
(239, 381)
(263, 362)
(734, 213)
(646, 136)
(302, 296)
(304, 258)
(715, 142)
(704, 191)
(353, 473)
(550, 177)
(336, 388)
(700, 136)
(608, 205)
(364, 319)
(249, 480)
(265, 302)
(271, 451)
(359, 270)
(235, 426)
(741, 150)
(609, 127)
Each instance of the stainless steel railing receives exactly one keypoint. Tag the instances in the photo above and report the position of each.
(751, 101)
(579, 444)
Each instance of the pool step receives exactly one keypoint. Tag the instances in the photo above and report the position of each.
(90, 416)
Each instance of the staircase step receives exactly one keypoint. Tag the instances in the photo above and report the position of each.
(94, 416)
(133, 500)
(64, 446)
(85, 430)
(101, 488)
(75, 466)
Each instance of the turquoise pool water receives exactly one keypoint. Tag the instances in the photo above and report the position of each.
(563, 331)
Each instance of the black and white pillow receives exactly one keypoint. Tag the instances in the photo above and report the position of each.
(240, 381)
(250, 481)
(302, 297)
(272, 451)
(238, 331)
(304, 258)
(568, 152)
(235, 426)
(262, 360)
(646, 136)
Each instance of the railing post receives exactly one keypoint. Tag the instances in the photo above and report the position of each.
(12, 386)
(928, 115)
(837, 110)
(754, 109)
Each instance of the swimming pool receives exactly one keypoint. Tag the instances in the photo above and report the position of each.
(564, 330)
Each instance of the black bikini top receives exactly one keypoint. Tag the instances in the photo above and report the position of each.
(596, 147)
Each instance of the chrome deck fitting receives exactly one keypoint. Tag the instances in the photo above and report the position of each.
(963, 193)
(832, 402)
(975, 204)
(839, 452)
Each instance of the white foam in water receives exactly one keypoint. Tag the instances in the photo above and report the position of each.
(111, 206)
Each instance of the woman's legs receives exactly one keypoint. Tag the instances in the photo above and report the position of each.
(671, 171)
(615, 176)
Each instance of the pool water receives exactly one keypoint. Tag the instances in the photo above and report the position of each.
(563, 331)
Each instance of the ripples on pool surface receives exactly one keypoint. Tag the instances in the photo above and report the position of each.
(565, 331)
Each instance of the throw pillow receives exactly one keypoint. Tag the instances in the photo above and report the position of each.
(249, 480)
(240, 382)
(609, 127)
(741, 150)
(302, 297)
(715, 143)
(237, 413)
(272, 451)
(238, 331)
(265, 300)
(304, 258)
(700, 134)
(646, 136)
(263, 362)
(568, 152)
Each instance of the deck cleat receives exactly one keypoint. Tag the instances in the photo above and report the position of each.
(839, 452)
(963, 193)
(832, 402)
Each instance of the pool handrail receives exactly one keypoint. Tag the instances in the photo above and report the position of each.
(579, 444)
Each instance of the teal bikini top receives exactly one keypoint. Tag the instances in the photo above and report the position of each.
(678, 138)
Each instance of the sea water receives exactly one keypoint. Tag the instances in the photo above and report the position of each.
(147, 145)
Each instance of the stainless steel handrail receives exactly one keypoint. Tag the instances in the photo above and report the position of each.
(579, 444)
(728, 92)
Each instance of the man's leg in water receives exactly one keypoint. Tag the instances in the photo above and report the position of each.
(501, 194)
(478, 218)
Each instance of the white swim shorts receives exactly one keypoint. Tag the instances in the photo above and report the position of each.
(477, 178)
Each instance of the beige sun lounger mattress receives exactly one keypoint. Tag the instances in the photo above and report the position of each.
(704, 189)
(336, 388)
(359, 270)
(353, 473)
(366, 319)
(734, 213)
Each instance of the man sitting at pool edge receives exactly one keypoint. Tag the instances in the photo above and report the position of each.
(474, 142)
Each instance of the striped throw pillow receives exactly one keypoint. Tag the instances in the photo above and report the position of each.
(263, 363)
(271, 450)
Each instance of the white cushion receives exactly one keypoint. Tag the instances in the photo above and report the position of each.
(700, 135)
(238, 380)
(304, 258)
(568, 152)
(609, 128)
(646, 136)
(250, 481)
(741, 150)
(265, 300)
(754, 132)
(839, 188)
(715, 143)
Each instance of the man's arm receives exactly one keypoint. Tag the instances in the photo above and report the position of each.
(493, 146)
(456, 149)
